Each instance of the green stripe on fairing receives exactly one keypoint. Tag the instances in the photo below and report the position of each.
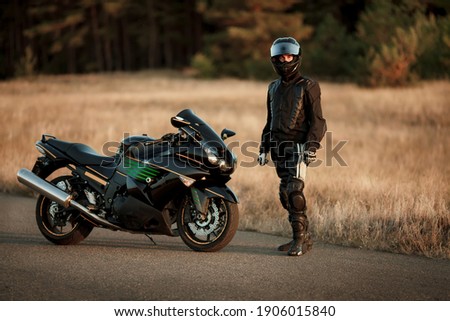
(137, 170)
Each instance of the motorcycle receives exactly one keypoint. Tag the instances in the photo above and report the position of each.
(174, 186)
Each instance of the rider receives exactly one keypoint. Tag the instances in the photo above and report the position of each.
(294, 116)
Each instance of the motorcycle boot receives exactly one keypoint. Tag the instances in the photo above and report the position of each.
(285, 247)
(302, 241)
(298, 228)
(284, 199)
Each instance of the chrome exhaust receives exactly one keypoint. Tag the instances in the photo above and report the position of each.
(28, 178)
(31, 180)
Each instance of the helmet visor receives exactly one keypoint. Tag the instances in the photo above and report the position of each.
(283, 48)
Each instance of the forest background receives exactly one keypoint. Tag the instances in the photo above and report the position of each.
(90, 71)
(374, 43)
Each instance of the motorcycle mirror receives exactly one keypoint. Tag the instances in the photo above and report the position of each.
(178, 122)
(226, 133)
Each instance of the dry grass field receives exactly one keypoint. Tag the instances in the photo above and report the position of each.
(393, 194)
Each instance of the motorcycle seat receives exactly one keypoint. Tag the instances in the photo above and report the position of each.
(83, 154)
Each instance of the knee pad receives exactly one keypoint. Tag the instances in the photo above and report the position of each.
(297, 202)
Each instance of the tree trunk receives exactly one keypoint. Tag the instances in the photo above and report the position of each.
(152, 35)
(116, 46)
(18, 50)
(126, 45)
(167, 41)
(97, 40)
(107, 42)
(71, 56)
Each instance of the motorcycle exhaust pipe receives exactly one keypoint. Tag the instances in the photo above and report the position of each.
(28, 178)
(31, 180)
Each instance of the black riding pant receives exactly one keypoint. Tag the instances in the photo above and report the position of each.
(292, 198)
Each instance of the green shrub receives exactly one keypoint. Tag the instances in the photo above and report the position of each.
(433, 60)
(203, 66)
(259, 69)
(332, 51)
(27, 65)
(390, 43)
(390, 65)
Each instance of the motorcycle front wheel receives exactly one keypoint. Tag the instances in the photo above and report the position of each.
(211, 231)
(59, 225)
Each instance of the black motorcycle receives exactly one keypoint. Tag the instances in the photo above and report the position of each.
(174, 186)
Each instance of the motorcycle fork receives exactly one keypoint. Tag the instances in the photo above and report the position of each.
(200, 200)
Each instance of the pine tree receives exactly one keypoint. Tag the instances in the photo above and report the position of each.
(57, 29)
(433, 59)
(332, 51)
(391, 65)
(390, 42)
(244, 31)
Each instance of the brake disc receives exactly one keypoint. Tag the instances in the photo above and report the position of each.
(209, 224)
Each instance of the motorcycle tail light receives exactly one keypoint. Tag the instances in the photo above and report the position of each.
(40, 149)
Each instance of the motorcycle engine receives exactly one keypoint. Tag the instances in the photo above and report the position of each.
(123, 212)
(118, 203)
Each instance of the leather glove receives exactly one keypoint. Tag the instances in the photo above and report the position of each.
(310, 156)
(262, 159)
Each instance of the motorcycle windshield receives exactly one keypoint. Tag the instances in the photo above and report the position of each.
(208, 135)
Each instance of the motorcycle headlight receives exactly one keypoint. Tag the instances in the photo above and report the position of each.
(224, 167)
(213, 156)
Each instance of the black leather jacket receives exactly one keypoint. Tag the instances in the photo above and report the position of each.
(294, 114)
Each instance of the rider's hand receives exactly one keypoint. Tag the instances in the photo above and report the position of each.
(262, 159)
(310, 156)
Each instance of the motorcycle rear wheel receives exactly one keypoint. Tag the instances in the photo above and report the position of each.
(208, 232)
(59, 225)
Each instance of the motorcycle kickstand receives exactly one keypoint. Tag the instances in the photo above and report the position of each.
(151, 239)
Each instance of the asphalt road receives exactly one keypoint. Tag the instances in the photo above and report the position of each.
(121, 266)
